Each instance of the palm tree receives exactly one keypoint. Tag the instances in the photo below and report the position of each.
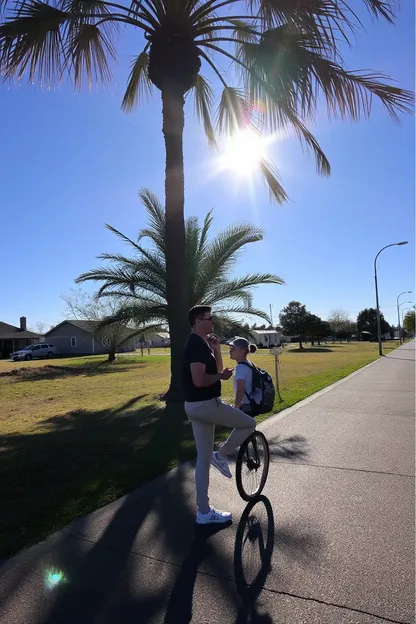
(283, 55)
(139, 281)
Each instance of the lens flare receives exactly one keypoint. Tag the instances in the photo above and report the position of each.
(53, 578)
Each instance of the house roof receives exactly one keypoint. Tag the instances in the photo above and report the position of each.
(10, 332)
(88, 326)
(264, 331)
(91, 327)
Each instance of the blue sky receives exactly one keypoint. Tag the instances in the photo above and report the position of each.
(72, 161)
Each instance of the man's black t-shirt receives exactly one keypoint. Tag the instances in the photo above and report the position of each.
(197, 350)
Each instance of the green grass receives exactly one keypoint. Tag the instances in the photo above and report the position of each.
(77, 433)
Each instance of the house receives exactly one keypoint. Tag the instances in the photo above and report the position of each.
(158, 339)
(266, 337)
(13, 338)
(72, 337)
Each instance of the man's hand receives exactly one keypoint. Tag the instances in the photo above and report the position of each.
(226, 374)
(214, 342)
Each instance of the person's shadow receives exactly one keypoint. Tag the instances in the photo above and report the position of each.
(252, 558)
(179, 609)
(252, 562)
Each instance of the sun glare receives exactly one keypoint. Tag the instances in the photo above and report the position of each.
(243, 152)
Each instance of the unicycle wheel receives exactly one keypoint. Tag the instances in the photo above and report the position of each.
(252, 466)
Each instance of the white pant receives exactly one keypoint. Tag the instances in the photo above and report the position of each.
(204, 415)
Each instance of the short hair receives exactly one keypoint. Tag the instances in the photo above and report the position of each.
(196, 312)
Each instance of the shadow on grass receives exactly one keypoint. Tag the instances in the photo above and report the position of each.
(311, 350)
(74, 463)
(88, 369)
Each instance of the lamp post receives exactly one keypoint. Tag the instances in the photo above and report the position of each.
(380, 348)
(401, 332)
(405, 292)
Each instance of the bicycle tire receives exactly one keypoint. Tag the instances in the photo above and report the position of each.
(247, 449)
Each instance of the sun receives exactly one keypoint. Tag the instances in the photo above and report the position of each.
(243, 152)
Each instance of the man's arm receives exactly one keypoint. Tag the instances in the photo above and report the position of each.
(215, 345)
(218, 357)
(201, 379)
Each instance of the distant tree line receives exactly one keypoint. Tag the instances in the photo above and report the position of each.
(296, 321)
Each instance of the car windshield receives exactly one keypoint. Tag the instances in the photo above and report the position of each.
(28, 348)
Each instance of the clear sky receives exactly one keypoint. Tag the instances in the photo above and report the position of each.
(72, 161)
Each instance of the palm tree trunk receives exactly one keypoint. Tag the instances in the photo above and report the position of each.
(176, 262)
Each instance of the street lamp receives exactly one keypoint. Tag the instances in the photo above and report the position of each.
(405, 292)
(401, 330)
(380, 348)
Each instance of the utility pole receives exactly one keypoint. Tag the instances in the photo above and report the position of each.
(271, 314)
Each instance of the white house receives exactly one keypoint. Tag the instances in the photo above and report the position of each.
(266, 337)
(157, 339)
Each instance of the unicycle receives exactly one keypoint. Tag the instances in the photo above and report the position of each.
(252, 466)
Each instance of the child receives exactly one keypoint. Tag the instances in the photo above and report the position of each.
(243, 374)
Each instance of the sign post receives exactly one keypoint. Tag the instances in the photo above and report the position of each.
(276, 352)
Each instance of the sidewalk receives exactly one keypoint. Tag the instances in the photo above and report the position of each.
(331, 541)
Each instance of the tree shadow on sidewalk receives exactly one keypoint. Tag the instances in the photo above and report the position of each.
(292, 447)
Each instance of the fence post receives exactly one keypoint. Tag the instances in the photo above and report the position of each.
(276, 353)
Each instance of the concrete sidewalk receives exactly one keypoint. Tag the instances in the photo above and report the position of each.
(330, 542)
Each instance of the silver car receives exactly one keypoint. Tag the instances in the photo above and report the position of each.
(32, 352)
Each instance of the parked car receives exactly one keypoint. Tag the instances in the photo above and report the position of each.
(32, 352)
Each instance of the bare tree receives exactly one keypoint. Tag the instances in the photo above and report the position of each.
(40, 328)
(341, 324)
(83, 306)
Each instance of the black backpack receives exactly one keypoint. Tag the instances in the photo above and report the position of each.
(261, 381)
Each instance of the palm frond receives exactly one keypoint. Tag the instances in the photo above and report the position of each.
(204, 233)
(139, 313)
(233, 111)
(156, 219)
(246, 311)
(138, 84)
(221, 292)
(221, 254)
(271, 177)
(226, 326)
(203, 94)
(322, 19)
(123, 237)
(239, 287)
(88, 51)
(287, 68)
(192, 235)
(243, 30)
(31, 39)
(115, 257)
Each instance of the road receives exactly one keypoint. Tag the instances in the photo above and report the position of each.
(331, 541)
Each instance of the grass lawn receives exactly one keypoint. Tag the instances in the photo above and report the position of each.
(78, 433)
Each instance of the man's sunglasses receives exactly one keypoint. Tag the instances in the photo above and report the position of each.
(206, 318)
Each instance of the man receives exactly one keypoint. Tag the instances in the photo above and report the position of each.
(202, 372)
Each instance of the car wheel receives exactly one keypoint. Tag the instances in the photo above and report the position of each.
(28, 357)
(50, 354)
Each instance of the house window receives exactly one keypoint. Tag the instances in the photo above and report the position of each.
(73, 341)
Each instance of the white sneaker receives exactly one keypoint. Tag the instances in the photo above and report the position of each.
(214, 516)
(221, 464)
